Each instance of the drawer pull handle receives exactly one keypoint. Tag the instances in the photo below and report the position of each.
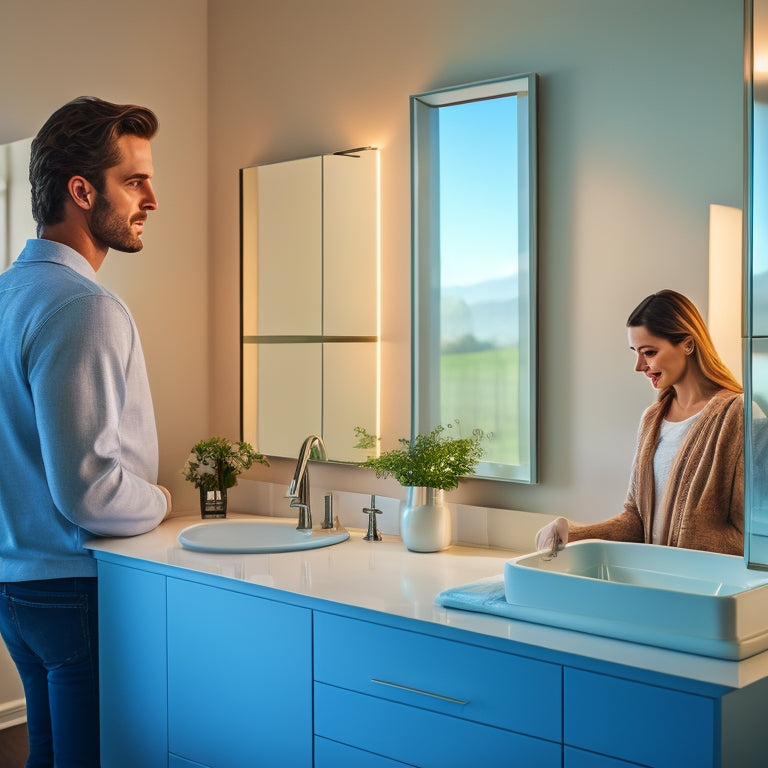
(416, 690)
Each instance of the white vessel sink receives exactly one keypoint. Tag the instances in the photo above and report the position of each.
(256, 536)
(699, 602)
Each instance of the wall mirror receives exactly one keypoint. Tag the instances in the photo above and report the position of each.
(473, 174)
(16, 222)
(756, 288)
(310, 302)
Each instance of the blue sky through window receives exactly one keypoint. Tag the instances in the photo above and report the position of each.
(478, 191)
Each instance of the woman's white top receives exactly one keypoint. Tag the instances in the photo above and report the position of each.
(672, 435)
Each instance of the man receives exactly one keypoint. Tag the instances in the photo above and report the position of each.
(78, 444)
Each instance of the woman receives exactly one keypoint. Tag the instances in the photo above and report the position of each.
(687, 482)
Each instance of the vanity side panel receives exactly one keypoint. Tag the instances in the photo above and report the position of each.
(744, 732)
(132, 668)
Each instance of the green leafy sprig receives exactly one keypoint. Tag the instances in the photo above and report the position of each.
(429, 461)
(216, 463)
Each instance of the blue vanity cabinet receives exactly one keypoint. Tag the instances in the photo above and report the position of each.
(239, 678)
(200, 676)
(201, 671)
(431, 702)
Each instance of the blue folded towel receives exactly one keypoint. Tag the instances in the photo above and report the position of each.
(485, 596)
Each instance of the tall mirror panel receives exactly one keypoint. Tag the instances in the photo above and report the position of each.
(310, 302)
(474, 268)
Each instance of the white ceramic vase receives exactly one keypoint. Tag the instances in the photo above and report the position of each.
(425, 520)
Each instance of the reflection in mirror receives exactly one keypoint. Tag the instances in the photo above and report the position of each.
(474, 259)
(16, 222)
(756, 295)
(310, 302)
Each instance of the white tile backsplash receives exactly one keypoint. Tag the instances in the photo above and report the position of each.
(477, 526)
(516, 532)
(471, 525)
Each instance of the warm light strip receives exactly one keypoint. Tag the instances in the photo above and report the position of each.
(725, 259)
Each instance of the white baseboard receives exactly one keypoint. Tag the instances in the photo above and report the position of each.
(13, 713)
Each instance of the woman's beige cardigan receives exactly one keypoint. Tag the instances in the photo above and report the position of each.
(704, 497)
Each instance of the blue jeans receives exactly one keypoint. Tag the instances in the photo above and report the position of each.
(51, 630)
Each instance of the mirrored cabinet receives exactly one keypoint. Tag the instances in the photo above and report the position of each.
(310, 302)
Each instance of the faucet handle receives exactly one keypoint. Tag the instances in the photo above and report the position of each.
(373, 530)
(328, 517)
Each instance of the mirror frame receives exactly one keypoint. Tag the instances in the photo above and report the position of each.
(425, 268)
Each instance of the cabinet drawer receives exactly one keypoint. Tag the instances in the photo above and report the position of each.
(331, 754)
(638, 722)
(419, 737)
(575, 758)
(443, 676)
(174, 761)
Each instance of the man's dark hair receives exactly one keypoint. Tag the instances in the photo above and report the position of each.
(80, 139)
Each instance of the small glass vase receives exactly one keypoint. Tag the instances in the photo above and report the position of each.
(213, 503)
(425, 520)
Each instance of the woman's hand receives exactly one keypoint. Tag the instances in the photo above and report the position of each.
(545, 538)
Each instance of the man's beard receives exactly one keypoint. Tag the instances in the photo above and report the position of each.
(111, 230)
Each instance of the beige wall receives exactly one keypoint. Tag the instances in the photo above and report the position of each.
(152, 53)
(155, 54)
(640, 130)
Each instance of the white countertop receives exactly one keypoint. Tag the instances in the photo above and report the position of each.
(384, 576)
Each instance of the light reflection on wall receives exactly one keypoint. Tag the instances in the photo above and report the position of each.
(16, 223)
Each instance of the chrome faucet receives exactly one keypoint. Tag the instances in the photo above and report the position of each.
(298, 490)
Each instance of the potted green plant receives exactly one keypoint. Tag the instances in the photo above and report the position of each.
(427, 466)
(213, 466)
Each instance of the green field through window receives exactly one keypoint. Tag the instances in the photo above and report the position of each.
(481, 389)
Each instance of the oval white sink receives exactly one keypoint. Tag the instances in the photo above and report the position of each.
(256, 537)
